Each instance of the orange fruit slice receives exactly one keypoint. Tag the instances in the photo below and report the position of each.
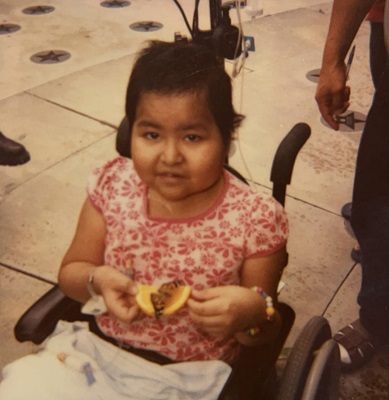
(173, 303)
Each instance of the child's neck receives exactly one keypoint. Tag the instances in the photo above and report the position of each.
(191, 206)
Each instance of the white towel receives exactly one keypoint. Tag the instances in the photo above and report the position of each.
(112, 373)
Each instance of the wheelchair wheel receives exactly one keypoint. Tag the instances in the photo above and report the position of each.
(314, 334)
(324, 376)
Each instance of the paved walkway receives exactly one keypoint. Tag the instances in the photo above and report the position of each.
(66, 114)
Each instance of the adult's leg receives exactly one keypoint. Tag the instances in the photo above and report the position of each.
(378, 59)
(378, 56)
(370, 214)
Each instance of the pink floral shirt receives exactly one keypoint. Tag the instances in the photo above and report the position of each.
(204, 251)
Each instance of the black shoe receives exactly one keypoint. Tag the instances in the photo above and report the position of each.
(346, 211)
(356, 255)
(11, 152)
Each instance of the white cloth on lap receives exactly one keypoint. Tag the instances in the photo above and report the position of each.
(118, 374)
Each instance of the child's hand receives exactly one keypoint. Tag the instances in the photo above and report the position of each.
(224, 310)
(118, 291)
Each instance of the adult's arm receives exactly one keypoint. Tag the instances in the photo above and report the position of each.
(332, 95)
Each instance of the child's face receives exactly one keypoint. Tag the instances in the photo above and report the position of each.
(177, 148)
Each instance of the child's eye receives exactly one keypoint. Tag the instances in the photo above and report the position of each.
(193, 138)
(151, 135)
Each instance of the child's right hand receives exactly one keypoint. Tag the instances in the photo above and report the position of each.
(118, 291)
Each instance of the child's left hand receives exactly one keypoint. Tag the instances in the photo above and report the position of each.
(224, 310)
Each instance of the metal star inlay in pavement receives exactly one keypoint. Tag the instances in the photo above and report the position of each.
(349, 120)
(146, 26)
(8, 28)
(115, 4)
(50, 57)
(313, 75)
(38, 10)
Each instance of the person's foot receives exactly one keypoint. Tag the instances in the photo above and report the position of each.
(356, 254)
(346, 211)
(356, 345)
(11, 152)
(346, 214)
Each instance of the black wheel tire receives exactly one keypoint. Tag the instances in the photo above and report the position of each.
(324, 377)
(314, 334)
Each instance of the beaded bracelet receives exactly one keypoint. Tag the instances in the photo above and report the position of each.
(270, 310)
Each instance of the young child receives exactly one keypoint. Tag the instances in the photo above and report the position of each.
(173, 212)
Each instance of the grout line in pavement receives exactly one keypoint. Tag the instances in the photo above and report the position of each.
(339, 287)
(29, 274)
(68, 156)
(297, 199)
(73, 110)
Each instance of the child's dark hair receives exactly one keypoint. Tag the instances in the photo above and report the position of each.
(173, 68)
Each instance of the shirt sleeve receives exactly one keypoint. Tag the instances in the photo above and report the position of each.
(267, 229)
(102, 181)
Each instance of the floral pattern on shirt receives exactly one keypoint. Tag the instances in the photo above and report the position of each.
(204, 251)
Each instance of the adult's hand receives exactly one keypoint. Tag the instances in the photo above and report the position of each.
(332, 94)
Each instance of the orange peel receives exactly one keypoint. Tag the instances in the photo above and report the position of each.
(175, 302)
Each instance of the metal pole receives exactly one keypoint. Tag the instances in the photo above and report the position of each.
(215, 11)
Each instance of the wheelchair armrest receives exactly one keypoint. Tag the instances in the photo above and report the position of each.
(40, 319)
(283, 162)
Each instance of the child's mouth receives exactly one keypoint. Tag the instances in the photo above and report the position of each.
(170, 177)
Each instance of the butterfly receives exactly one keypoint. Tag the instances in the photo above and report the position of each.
(160, 298)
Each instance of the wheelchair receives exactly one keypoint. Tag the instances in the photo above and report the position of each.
(312, 370)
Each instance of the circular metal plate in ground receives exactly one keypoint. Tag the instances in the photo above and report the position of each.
(115, 4)
(350, 121)
(313, 75)
(50, 57)
(5, 29)
(146, 26)
(38, 10)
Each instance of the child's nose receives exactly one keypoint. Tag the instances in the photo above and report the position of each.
(171, 153)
